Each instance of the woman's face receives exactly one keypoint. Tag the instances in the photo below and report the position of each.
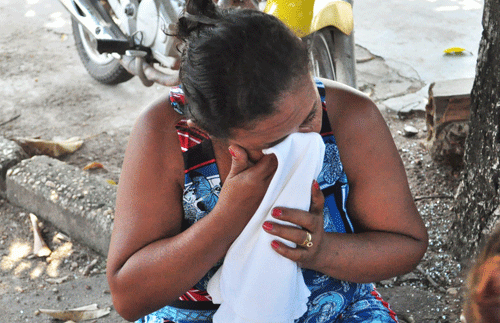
(299, 110)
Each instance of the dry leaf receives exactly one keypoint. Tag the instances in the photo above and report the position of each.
(40, 248)
(90, 312)
(57, 280)
(49, 147)
(111, 182)
(93, 165)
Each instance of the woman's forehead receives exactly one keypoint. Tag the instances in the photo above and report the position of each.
(291, 111)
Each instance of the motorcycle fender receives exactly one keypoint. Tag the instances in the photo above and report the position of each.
(337, 14)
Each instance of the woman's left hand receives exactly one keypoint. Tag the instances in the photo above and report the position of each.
(308, 238)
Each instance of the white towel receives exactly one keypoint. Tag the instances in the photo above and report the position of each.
(255, 283)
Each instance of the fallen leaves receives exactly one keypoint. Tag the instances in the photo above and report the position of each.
(40, 248)
(93, 165)
(84, 313)
(52, 148)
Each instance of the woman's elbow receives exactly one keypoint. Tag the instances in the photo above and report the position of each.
(124, 298)
(421, 244)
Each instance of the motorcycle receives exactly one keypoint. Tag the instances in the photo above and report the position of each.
(118, 39)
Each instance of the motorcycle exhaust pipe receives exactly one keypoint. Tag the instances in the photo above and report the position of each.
(110, 39)
(94, 18)
(135, 64)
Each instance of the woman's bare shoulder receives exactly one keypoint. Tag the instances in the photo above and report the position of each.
(345, 101)
(151, 183)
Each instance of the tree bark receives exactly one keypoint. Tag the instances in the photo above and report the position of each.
(478, 197)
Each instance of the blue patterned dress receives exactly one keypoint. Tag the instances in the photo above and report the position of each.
(331, 300)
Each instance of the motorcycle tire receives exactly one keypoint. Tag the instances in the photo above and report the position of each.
(102, 67)
(321, 51)
(329, 56)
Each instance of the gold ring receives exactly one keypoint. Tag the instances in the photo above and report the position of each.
(307, 243)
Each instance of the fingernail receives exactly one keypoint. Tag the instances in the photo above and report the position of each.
(268, 226)
(275, 244)
(232, 152)
(277, 213)
(315, 184)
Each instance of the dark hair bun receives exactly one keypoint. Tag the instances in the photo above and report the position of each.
(197, 15)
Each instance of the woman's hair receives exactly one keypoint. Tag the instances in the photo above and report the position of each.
(235, 65)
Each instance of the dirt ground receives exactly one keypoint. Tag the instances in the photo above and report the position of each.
(47, 93)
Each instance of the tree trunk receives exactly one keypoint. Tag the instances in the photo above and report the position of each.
(478, 197)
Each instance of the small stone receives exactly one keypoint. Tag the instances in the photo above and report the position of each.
(50, 184)
(55, 290)
(54, 196)
(407, 277)
(410, 131)
(88, 287)
(386, 282)
(452, 291)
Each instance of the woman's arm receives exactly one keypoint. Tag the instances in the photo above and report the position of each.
(390, 236)
(150, 261)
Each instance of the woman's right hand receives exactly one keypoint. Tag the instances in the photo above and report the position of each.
(247, 182)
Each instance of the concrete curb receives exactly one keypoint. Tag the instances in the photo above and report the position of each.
(76, 202)
(10, 154)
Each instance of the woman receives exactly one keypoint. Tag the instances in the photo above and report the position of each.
(482, 301)
(194, 174)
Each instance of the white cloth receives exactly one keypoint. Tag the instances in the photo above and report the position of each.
(255, 283)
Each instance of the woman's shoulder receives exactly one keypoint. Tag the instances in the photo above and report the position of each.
(345, 98)
(155, 135)
(350, 109)
(159, 115)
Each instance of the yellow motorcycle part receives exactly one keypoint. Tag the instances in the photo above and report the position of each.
(298, 15)
(337, 14)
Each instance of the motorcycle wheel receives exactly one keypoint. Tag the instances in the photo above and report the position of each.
(332, 55)
(321, 52)
(102, 67)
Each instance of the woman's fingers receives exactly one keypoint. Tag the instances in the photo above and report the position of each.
(312, 220)
(239, 160)
(317, 199)
(265, 167)
(246, 183)
(310, 229)
(287, 232)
